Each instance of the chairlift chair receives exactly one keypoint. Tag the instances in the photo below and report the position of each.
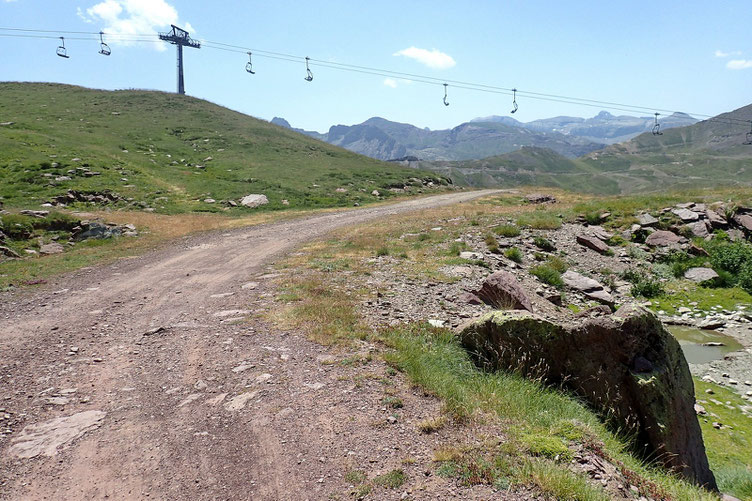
(61, 50)
(104, 49)
(514, 101)
(657, 126)
(309, 77)
(249, 65)
(446, 103)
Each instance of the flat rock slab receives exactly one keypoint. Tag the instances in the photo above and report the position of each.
(44, 439)
(662, 238)
(700, 274)
(580, 282)
(744, 220)
(593, 243)
(646, 220)
(51, 248)
(686, 215)
(600, 233)
(716, 220)
(471, 255)
(699, 229)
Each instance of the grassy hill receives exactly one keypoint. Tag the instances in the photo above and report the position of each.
(170, 153)
(528, 166)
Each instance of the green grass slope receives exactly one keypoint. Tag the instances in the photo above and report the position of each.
(527, 166)
(170, 153)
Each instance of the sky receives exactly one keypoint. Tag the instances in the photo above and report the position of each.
(692, 55)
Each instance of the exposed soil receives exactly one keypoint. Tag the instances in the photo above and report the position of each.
(201, 398)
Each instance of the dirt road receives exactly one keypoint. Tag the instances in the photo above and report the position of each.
(135, 380)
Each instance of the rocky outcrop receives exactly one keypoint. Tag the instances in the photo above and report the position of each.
(540, 198)
(626, 365)
(502, 290)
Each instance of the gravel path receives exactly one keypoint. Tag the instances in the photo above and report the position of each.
(138, 380)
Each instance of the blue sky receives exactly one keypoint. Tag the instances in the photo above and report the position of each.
(691, 55)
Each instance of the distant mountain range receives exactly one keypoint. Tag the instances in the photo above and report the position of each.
(602, 128)
(489, 136)
(704, 154)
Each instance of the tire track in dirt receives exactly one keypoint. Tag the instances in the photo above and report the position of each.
(79, 345)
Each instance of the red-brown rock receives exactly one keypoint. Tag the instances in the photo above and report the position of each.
(502, 291)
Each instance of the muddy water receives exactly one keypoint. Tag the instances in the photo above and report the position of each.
(692, 341)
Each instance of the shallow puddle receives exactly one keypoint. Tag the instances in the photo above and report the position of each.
(692, 341)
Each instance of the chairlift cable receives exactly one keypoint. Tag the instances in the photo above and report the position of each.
(149, 38)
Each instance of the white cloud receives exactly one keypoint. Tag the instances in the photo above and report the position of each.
(739, 64)
(432, 58)
(390, 82)
(132, 17)
(722, 54)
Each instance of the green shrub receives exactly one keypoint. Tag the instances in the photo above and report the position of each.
(456, 248)
(493, 245)
(630, 275)
(558, 264)
(745, 278)
(382, 251)
(593, 217)
(547, 275)
(16, 226)
(725, 280)
(514, 254)
(647, 287)
(391, 480)
(57, 221)
(507, 230)
(731, 257)
(539, 221)
(544, 244)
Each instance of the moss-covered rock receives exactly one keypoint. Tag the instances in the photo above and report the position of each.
(626, 365)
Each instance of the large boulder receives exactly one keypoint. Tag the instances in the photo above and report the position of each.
(502, 290)
(254, 201)
(625, 365)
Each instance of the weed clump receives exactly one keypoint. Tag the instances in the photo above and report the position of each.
(507, 230)
(547, 274)
(544, 244)
(514, 254)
